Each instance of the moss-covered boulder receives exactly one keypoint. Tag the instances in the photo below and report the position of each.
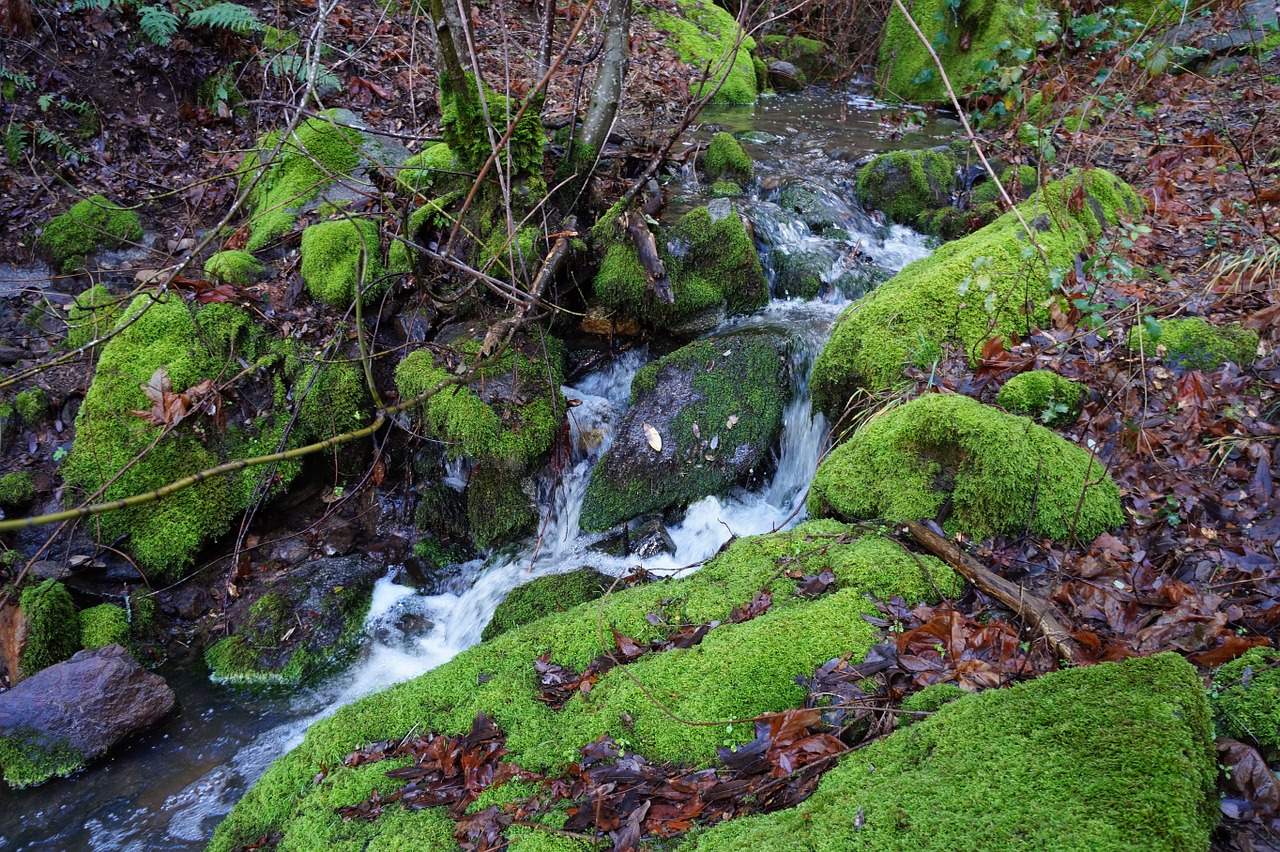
(1246, 700)
(1019, 181)
(301, 626)
(807, 54)
(1192, 343)
(91, 224)
(17, 489)
(725, 158)
(991, 282)
(704, 34)
(702, 420)
(104, 624)
(711, 261)
(441, 517)
(1001, 475)
(798, 275)
(1113, 757)
(343, 257)
(53, 626)
(92, 316)
(114, 449)
(234, 267)
(545, 596)
(738, 671)
(435, 168)
(1043, 396)
(498, 510)
(905, 184)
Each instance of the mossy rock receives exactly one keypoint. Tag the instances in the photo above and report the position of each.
(1194, 344)
(807, 54)
(965, 38)
(507, 416)
(498, 510)
(436, 168)
(104, 624)
(726, 189)
(716, 405)
(17, 489)
(32, 406)
(1246, 700)
(798, 275)
(1002, 475)
(990, 282)
(1019, 181)
(738, 671)
(343, 257)
(92, 316)
(712, 264)
(441, 515)
(725, 158)
(91, 224)
(234, 267)
(53, 632)
(814, 207)
(192, 345)
(545, 596)
(703, 34)
(1043, 396)
(905, 184)
(1112, 757)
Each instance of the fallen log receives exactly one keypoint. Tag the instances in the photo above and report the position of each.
(647, 249)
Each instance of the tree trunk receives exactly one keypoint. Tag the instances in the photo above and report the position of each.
(607, 92)
(450, 43)
(15, 17)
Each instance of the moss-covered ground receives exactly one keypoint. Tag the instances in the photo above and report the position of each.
(17, 489)
(234, 267)
(104, 624)
(1193, 344)
(725, 158)
(1246, 699)
(1043, 396)
(91, 224)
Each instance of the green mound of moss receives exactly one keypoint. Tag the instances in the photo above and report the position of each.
(1113, 757)
(703, 34)
(89, 225)
(341, 257)
(435, 168)
(1003, 475)
(1194, 344)
(104, 624)
(53, 626)
(30, 759)
(725, 158)
(545, 596)
(234, 267)
(17, 489)
(93, 314)
(498, 510)
(1019, 181)
(716, 266)
(906, 184)
(32, 405)
(1246, 702)
(467, 133)
(739, 670)
(990, 282)
(1043, 396)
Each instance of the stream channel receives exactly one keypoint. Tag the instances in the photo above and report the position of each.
(169, 790)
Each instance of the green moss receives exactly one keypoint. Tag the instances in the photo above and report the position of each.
(341, 257)
(318, 152)
(1117, 756)
(1019, 181)
(905, 184)
(807, 54)
(435, 167)
(485, 421)
(54, 626)
(1043, 396)
(544, 596)
(104, 624)
(1194, 344)
(32, 405)
(726, 159)
(798, 275)
(738, 671)
(442, 515)
(466, 131)
(1003, 475)
(93, 314)
(725, 189)
(513, 260)
(234, 267)
(279, 40)
(498, 510)
(703, 35)
(965, 37)
(17, 489)
(29, 758)
(1246, 700)
(91, 224)
(990, 282)
(933, 698)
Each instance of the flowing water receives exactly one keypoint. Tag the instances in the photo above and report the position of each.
(170, 789)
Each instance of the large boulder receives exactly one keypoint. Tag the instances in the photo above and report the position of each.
(906, 184)
(72, 713)
(702, 420)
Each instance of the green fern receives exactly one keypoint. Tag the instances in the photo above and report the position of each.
(158, 24)
(52, 139)
(290, 65)
(15, 141)
(95, 5)
(231, 17)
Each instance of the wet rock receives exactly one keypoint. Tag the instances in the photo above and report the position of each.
(785, 77)
(72, 713)
(905, 184)
(188, 602)
(643, 538)
(818, 206)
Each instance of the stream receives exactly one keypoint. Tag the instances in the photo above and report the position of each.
(169, 790)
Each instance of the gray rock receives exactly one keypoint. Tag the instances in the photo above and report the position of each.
(785, 77)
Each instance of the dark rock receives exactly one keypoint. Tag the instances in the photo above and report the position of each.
(71, 713)
(188, 602)
(786, 77)
(643, 537)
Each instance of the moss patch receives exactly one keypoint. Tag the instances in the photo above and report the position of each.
(1246, 702)
(498, 510)
(1118, 756)
(28, 759)
(435, 168)
(466, 131)
(54, 626)
(991, 282)
(104, 624)
(92, 224)
(544, 596)
(17, 489)
(905, 184)
(93, 314)
(725, 189)
(1043, 396)
(703, 35)
(1194, 344)
(1003, 474)
(738, 671)
(725, 158)
(32, 405)
(234, 267)
(342, 257)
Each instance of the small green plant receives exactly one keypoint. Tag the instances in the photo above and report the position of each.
(158, 24)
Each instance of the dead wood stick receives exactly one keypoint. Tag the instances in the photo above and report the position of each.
(1039, 612)
(501, 333)
(647, 250)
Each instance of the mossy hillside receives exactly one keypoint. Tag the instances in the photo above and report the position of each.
(995, 28)
(193, 345)
(53, 626)
(507, 416)
(703, 34)
(104, 624)
(466, 131)
(905, 184)
(1246, 700)
(1043, 396)
(1113, 757)
(1194, 344)
(92, 316)
(710, 263)
(725, 158)
(234, 267)
(318, 152)
(544, 596)
(1004, 475)
(343, 257)
(967, 291)
(435, 168)
(498, 510)
(17, 489)
(28, 759)
(738, 671)
(89, 225)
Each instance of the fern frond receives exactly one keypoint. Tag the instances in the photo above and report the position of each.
(231, 17)
(158, 24)
(86, 5)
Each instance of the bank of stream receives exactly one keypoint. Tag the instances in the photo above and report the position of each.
(170, 789)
